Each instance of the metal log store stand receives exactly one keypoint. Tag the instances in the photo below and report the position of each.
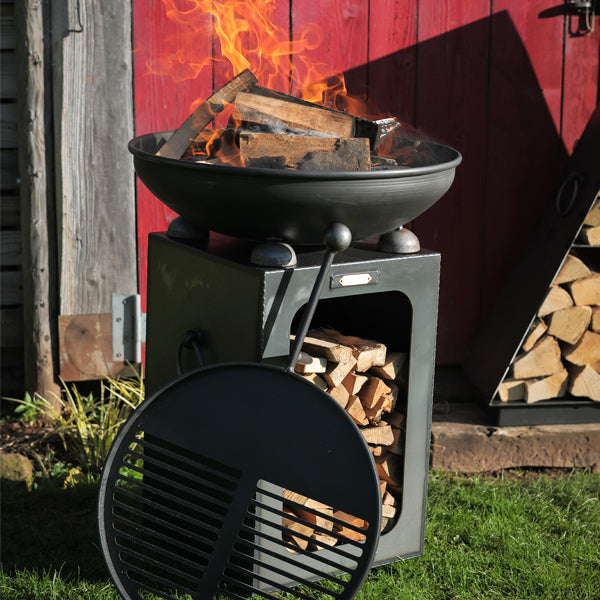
(189, 482)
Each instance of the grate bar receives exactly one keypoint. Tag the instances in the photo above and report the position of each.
(201, 508)
(155, 505)
(216, 468)
(156, 578)
(160, 521)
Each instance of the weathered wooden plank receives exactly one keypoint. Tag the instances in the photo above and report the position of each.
(392, 58)
(452, 64)
(86, 348)
(93, 123)
(344, 36)
(165, 92)
(11, 325)
(524, 148)
(39, 281)
(8, 124)
(11, 288)
(10, 248)
(580, 83)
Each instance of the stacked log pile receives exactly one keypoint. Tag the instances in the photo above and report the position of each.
(561, 352)
(370, 384)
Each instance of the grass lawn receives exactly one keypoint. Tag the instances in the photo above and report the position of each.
(520, 536)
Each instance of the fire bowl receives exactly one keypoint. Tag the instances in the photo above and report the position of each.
(294, 206)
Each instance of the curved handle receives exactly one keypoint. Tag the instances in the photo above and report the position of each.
(574, 180)
(192, 338)
(337, 238)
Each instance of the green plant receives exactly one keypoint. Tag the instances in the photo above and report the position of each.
(87, 426)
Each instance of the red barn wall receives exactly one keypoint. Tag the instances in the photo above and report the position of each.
(509, 84)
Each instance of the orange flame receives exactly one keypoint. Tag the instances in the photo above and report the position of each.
(247, 37)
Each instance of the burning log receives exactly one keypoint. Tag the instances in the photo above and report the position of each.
(179, 142)
(368, 392)
(304, 152)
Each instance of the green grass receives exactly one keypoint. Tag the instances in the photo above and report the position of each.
(521, 537)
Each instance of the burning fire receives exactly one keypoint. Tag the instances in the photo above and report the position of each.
(247, 37)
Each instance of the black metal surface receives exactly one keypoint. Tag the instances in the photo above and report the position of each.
(294, 206)
(191, 494)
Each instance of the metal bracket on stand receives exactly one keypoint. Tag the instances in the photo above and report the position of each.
(128, 328)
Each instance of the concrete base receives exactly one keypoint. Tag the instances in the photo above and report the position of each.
(464, 441)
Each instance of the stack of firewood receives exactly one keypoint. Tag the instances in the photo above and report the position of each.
(561, 352)
(370, 383)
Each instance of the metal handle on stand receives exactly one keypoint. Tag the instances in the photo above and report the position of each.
(337, 238)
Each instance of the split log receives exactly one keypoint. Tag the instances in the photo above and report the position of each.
(310, 364)
(569, 323)
(286, 115)
(586, 292)
(372, 391)
(511, 389)
(543, 359)
(304, 152)
(536, 331)
(355, 409)
(340, 394)
(556, 298)
(378, 435)
(318, 381)
(554, 386)
(389, 469)
(335, 373)
(589, 236)
(354, 382)
(573, 268)
(593, 217)
(392, 366)
(186, 133)
(368, 353)
(294, 527)
(585, 351)
(350, 520)
(595, 322)
(585, 381)
(331, 351)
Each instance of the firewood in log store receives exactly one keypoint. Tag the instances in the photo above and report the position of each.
(555, 299)
(304, 152)
(569, 323)
(186, 133)
(584, 382)
(585, 351)
(595, 322)
(352, 534)
(294, 527)
(318, 381)
(543, 359)
(553, 386)
(368, 353)
(511, 389)
(536, 331)
(392, 366)
(285, 115)
(337, 372)
(372, 391)
(395, 419)
(385, 404)
(593, 217)
(586, 292)
(589, 236)
(340, 394)
(310, 364)
(355, 409)
(329, 350)
(388, 470)
(378, 435)
(353, 382)
(573, 268)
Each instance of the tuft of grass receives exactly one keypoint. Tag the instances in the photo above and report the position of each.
(87, 426)
(522, 536)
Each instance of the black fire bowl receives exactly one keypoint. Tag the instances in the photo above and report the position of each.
(294, 206)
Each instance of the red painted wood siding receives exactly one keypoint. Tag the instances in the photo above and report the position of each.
(503, 81)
